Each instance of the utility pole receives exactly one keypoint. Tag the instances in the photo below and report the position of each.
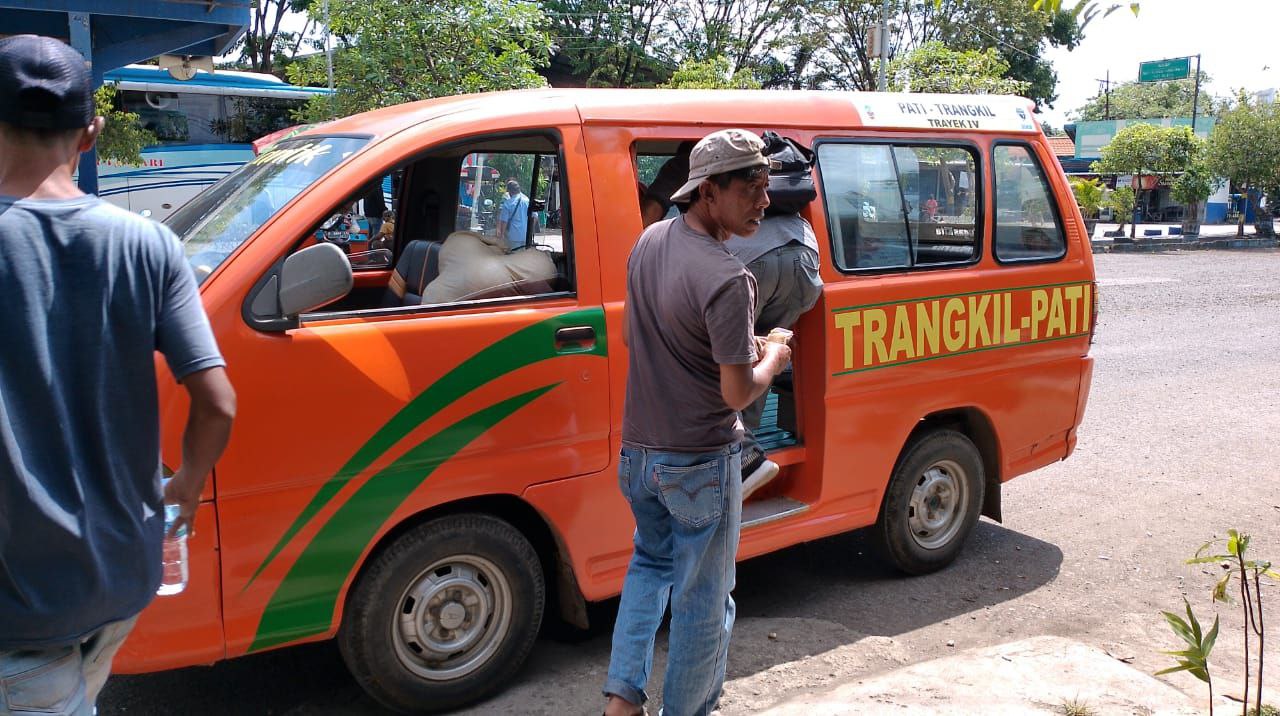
(1195, 98)
(1106, 91)
(882, 84)
(328, 62)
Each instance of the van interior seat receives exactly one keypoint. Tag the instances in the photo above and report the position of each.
(418, 266)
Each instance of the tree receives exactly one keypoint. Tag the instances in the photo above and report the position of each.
(934, 68)
(1192, 187)
(123, 137)
(711, 74)
(1121, 201)
(1245, 148)
(1018, 31)
(1089, 194)
(1150, 100)
(612, 43)
(1148, 150)
(1051, 131)
(264, 47)
(392, 52)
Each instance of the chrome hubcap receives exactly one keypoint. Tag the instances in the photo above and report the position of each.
(452, 618)
(938, 504)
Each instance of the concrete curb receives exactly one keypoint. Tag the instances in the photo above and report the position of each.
(1158, 245)
(1032, 676)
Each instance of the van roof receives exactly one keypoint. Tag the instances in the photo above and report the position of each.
(748, 108)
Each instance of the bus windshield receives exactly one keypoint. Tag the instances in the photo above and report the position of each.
(218, 220)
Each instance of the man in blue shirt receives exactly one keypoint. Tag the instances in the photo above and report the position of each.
(90, 292)
(513, 217)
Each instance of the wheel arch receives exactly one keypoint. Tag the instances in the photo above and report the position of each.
(976, 425)
(557, 571)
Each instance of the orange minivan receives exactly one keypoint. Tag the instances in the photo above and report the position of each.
(424, 463)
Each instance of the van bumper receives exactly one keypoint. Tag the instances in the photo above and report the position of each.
(182, 629)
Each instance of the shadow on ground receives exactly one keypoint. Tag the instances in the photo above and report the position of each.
(827, 598)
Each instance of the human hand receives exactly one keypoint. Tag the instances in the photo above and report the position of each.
(779, 353)
(183, 490)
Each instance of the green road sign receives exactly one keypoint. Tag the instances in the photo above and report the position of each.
(1161, 70)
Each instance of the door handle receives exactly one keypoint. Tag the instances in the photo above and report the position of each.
(576, 336)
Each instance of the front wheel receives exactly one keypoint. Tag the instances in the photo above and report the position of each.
(445, 615)
(931, 503)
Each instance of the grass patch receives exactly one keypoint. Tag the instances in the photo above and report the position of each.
(1076, 707)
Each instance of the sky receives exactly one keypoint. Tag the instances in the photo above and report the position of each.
(1238, 40)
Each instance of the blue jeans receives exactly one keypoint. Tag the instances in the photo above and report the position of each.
(61, 680)
(688, 512)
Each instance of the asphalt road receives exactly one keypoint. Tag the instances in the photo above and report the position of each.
(1181, 441)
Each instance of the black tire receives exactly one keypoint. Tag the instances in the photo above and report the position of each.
(445, 615)
(931, 504)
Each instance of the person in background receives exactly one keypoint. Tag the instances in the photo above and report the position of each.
(386, 232)
(513, 217)
(655, 199)
(689, 313)
(81, 503)
(783, 258)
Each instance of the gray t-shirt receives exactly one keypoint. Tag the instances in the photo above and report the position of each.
(690, 308)
(774, 231)
(89, 293)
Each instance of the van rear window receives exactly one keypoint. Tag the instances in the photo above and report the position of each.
(900, 206)
(1028, 227)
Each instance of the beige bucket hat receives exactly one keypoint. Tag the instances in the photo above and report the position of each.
(721, 152)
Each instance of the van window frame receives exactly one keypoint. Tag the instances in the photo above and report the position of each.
(552, 134)
(979, 209)
(1053, 206)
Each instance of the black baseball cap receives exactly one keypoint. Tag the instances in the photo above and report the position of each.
(44, 84)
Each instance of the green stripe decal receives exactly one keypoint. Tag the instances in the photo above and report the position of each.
(526, 346)
(303, 605)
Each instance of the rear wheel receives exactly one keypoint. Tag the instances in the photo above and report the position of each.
(445, 615)
(931, 504)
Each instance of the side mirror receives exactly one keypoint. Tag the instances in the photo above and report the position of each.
(313, 277)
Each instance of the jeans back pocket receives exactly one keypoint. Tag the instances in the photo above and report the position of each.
(693, 495)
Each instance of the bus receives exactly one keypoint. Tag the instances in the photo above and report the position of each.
(204, 129)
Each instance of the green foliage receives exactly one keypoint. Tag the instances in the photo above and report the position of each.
(1195, 658)
(1089, 194)
(1121, 200)
(123, 137)
(1195, 184)
(934, 68)
(1145, 149)
(265, 47)
(393, 52)
(1150, 100)
(1266, 710)
(711, 74)
(612, 43)
(1245, 146)
(1249, 574)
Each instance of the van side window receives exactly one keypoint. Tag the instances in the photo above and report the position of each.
(476, 222)
(899, 206)
(1027, 225)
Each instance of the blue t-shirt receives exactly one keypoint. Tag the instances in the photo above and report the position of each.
(515, 211)
(89, 293)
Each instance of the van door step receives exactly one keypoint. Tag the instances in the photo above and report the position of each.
(770, 509)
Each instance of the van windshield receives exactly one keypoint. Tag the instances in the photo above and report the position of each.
(218, 220)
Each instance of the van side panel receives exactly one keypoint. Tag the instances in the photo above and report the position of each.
(884, 373)
(184, 628)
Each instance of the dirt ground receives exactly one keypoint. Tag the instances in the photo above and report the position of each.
(1180, 443)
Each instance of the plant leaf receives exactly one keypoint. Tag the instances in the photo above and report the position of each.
(1206, 647)
(1220, 589)
(1174, 669)
(1212, 558)
(1233, 543)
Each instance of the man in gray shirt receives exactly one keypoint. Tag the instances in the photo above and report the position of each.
(90, 292)
(693, 364)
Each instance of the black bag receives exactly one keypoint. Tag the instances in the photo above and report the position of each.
(790, 175)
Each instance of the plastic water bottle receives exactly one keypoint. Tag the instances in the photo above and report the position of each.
(173, 577)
